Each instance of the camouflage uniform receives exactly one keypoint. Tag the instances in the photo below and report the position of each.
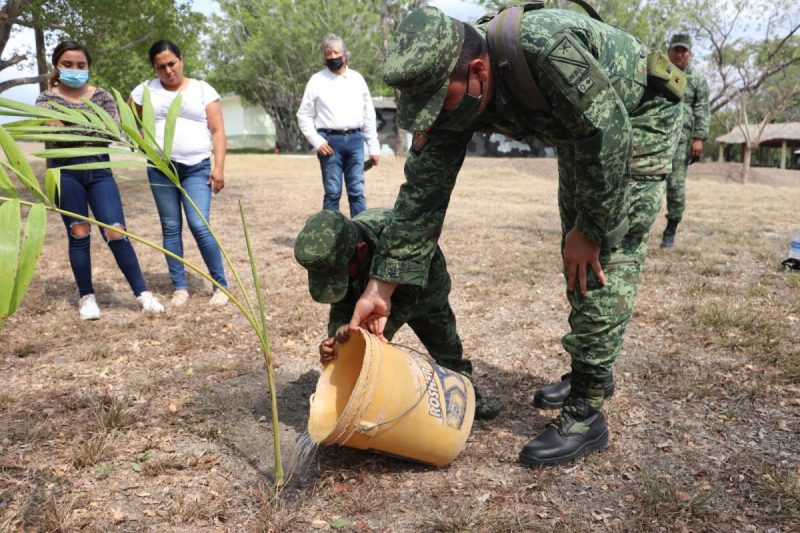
(425, 309)
(615, 136)
(696, 119)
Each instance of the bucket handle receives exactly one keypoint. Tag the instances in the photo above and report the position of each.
(415, 404)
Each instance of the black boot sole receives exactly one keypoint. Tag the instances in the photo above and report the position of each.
(597, 445)
(541, 403)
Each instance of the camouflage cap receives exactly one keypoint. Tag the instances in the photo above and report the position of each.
(324, 247)
(681, 39)
(422, 54)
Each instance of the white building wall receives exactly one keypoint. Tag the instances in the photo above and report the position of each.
(247, 126)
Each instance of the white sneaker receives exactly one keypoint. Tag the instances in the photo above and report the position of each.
(87, 306)
(219, 298)
(150, 303)
(179, 297)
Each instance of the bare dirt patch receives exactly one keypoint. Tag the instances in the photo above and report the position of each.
(133, 423)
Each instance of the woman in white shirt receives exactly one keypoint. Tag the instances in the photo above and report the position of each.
(199, 132)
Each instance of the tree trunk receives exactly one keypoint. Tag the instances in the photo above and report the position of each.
(747, 150)
(41, 58)
(287, 133)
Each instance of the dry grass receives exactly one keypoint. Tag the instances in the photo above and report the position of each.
(132, 423)
(664, 501)
(457, 519)
(210, 508)
(91, 451)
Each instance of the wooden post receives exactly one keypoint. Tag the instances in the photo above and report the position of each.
(721, 156)
(783, 154)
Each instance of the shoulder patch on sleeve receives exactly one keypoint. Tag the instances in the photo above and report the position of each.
(570, 71)
(568, 61)
(585, 84)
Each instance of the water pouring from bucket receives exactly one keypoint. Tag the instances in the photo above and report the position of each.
(375, 396)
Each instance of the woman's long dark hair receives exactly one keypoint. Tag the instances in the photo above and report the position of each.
(62, 47)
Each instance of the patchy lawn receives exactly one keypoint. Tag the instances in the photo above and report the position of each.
(134, 423)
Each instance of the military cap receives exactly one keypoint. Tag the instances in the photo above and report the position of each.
(421, 55)
(681, 39)
(324, 247)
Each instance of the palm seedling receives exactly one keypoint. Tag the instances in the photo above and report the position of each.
(134, 138)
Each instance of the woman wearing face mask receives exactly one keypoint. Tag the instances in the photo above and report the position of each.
(95, 189)
(199, 132)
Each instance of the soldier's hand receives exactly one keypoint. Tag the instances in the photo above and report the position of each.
(696, 149)
(343, 333)
(325, 150)
(327, 351)
(373, 308)
(580, 253)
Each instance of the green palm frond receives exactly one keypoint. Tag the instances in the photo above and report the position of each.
(132, 138)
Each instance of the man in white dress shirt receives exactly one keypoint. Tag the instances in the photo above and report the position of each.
(337, 116)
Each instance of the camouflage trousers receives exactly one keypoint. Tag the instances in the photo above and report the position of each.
(435, 325)
(676, 183)
(598, 319)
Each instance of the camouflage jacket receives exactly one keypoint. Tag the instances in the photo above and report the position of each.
(406, 297)
(696, 113)
(593, 76)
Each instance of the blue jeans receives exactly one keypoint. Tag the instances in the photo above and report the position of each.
(347, 159)
(194, 180)
(95, 189)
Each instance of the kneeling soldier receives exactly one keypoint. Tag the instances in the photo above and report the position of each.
(337, 253)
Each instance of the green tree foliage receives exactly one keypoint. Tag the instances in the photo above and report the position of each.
(649, 20)
(753, 45)
(117, 34)
(120, 43)
(265, 51)
(652, 21)
(753, 62)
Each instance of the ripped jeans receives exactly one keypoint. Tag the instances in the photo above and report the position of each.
(95, 189)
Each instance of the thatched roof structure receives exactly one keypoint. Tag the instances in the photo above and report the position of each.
(774, 134)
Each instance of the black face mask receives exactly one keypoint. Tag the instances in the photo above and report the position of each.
(462, 117)
(334, 63)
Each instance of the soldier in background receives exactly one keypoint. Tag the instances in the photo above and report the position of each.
(337, 253)
(696, 118)
(615, 130)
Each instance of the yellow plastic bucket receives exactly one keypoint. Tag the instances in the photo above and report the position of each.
(374, 396)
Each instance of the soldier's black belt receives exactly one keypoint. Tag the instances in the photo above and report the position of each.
(339, 132)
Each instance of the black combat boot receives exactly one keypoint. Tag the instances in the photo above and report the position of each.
(579, 429)
(552, 396)
(668, 238)
(485, 408)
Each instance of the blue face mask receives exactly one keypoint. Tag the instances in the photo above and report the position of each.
(73, 78)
